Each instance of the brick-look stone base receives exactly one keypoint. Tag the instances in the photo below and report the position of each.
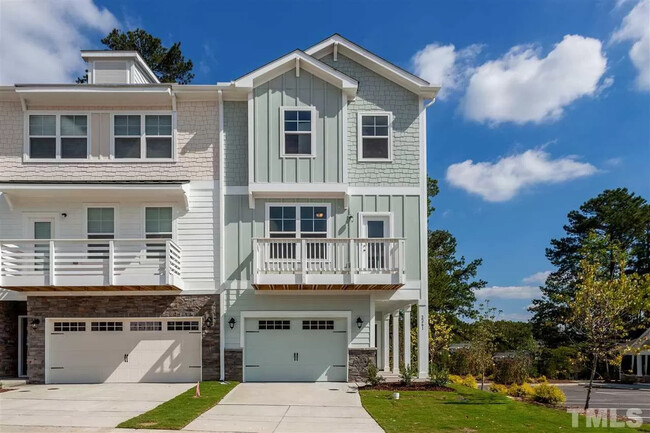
(360, 360)
(233, 359)
(122, 306)
(9, 312)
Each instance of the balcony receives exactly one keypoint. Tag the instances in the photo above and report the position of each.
(96, 264)
(328, 264)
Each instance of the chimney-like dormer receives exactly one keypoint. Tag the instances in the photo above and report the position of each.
(117, 67)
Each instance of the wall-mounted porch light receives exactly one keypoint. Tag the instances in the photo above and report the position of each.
(35, 323)
(231, 322)
(359, 322)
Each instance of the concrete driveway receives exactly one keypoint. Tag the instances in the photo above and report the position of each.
(88, 406)
(288, 407)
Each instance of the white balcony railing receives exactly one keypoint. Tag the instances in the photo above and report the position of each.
(328, 261)
(90, 262)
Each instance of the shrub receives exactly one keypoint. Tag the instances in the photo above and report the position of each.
(455, 379)
(406, 374)
(563, 362)
(438, 375)
(498, 388)
(460, 362)
(470, 381)
(548, 394)
(374, 378)
(513, 369)
(524, 390)
(541, 379)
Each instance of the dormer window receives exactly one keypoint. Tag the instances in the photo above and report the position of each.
(297, 131)
(142, 136)
(57, 136)
(375, 136)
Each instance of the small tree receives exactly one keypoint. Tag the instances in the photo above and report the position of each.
(608, 301)
(482, 342)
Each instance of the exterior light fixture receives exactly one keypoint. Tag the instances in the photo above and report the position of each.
(231, 322)
(359, 322)
(208, 322)
(35, 323)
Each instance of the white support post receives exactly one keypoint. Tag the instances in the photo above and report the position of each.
(639, 365)
(1, 272)
(256, 261)
(353, 261)
(168, 267)
(396, 342)
(111, 262)
(303, 258)
(51, 264)
(407, 336)
(386, 344)
(423, 341)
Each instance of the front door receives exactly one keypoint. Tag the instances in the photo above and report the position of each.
(22, 346)
(374, 252)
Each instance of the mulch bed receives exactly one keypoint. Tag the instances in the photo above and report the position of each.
(415, 386)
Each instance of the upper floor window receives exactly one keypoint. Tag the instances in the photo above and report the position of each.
(138, 136)
(304, 221)
(58, 136)
(158, 222)
(101, 223)
(375, 133)
(298, 131)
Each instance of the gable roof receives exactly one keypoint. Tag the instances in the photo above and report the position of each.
(297, 59)
(375, 63)
(134, 56)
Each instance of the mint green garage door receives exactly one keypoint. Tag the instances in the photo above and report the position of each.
(295, 350)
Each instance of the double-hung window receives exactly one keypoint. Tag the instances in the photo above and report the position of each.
(157, 225)
(297, 133)
(58, 136)
(297, 221)
(375, 136)
(100, 224)
(146, 136)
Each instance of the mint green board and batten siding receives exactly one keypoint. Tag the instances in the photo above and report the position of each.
(303, 91)
(242, 224)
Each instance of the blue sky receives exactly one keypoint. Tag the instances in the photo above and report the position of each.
(546, 121)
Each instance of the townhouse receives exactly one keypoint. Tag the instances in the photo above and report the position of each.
(270, 228)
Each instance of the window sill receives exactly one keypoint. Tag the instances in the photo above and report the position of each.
(374, 160)
(297, 156)
(99, 161)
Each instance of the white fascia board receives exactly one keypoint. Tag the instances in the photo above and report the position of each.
(306, 62)
(374, 63)
(118, 55)
(288, 188)
(93, 88)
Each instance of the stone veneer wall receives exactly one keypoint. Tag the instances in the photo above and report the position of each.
(122, 306)
(233, 359)
(359, 361)
(376, 93)
(197, 146)
(9, 312)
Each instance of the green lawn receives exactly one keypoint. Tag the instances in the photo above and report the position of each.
(182, 409)
(467, 411)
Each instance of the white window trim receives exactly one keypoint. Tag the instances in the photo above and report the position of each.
(116, 219)
(364, 216)
(360, 115)
(144, 218)
(143, 141)
(57, 157)
(267, 218)
(312, 132)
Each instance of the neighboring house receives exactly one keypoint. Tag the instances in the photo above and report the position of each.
(635, 363)
(271, 228)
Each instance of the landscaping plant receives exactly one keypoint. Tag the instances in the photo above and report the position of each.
(406, 374)
(374, 378)
(511, 370)
(524, 390)
(548, 394)
(498, 388)
(438, 375)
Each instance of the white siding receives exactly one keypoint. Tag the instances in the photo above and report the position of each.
(110, 72)
(138, 76)
(245, 299)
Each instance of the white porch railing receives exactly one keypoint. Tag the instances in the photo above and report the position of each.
(89, 262)
(329, 261)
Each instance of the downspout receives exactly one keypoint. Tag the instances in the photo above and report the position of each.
(222, 361)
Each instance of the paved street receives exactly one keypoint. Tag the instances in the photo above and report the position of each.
(621, 399)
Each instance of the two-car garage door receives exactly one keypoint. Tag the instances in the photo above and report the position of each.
(295, 350)
(123, 350)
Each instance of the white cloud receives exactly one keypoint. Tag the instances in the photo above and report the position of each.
(502, 180)
(523, 87)
(444, 65)
(40, 39)
(508, 292)
(537, 278)
(636, 28)
(516, 317)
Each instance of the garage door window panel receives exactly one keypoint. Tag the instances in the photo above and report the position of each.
(145, 326)
(69, 326)
(268, 325)
(106, 326)
(185, 325)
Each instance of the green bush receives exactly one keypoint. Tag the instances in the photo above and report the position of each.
(498, 388)
(460, 362)
(406, 374)
(511, 370)
(524, 390)
(438, 375)
(549, 394)
(374, 378)
(563, 362)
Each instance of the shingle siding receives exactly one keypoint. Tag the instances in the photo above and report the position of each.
(235, 128)
(376, 93)
(196, 147)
